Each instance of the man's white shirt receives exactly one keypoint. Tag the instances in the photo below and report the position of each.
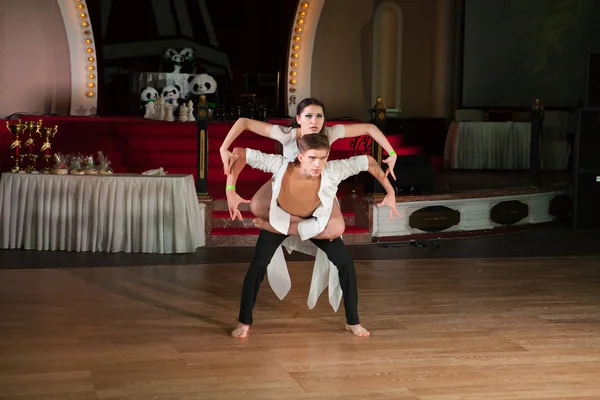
(325, 273)
(333, 174)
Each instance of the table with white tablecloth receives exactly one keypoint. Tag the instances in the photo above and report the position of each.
(112, 213)
(488, 145)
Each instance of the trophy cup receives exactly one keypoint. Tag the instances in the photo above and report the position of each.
(32, 127)
(16, 129)
(47, 133)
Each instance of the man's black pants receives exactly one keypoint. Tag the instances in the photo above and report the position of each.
(267, 244)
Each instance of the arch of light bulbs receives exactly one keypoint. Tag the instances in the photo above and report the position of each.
(300, 52)
(84, 76)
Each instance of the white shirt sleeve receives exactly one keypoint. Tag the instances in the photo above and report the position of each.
(335, 172)
(280, 135)
(338, 170)
(335, 132)
(310, 227)
(265, 162)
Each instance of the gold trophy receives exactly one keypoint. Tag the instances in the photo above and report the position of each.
(32, 127)
(47, 133)
(16, 129)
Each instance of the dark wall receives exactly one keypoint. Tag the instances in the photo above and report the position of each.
(519, 50)
(255, 35)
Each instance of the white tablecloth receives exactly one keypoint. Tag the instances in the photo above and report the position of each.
(120, 212)
(488, 145)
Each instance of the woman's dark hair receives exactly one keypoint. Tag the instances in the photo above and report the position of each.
(309, 101)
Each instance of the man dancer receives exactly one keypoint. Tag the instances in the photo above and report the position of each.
(305, 188)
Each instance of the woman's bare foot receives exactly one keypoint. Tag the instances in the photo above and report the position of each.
(358, 330)
(260, 223)
(241, 331)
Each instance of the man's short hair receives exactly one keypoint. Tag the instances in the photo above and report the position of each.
(313, 141)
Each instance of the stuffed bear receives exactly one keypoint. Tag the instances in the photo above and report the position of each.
(172, 95)
(189, 60)
(148, 94)
(177, 61)
(167, 63)
(206, 85)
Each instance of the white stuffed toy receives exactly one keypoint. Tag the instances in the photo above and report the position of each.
(203, 84)
(167, 63)
(189, 60)
(177, 61)
(148, 95)
(171, 94)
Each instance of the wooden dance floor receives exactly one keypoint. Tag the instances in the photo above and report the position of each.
(441, 329)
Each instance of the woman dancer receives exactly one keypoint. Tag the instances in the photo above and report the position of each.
(310, 118)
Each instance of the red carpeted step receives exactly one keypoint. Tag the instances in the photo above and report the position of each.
(179, 143)
(246, 190)
(234, 231)
(438, 163)
(249, 175)
(248, 214)
(146, 128)
(225, 214)
(346, 143)
(355, 229)
(256, 231)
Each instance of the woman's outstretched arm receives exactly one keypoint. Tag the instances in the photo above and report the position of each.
(353, 130)
(241, 125)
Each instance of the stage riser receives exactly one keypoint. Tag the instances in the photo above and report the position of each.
(221, 231)
(250, 240)
(247, 222)
(475, 214)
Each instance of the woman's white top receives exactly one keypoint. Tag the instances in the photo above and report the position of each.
(287, 137)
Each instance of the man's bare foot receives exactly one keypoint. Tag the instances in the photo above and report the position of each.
(241, 331)
(358, 330)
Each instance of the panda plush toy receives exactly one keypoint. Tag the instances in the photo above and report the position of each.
(177, 62)
(206, 85)
(148, 95)
(172, 94)
(167, 63)
(189, 60)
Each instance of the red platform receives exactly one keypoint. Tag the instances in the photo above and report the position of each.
(134, 145)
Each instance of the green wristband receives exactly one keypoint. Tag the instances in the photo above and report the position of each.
(229, 187)
(392, 153)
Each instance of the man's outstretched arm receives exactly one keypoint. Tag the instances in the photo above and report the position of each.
(254, 158)
(377, 172)
(236, 165)
(390, 197)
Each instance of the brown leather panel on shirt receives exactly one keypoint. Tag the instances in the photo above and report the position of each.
(298, 196)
